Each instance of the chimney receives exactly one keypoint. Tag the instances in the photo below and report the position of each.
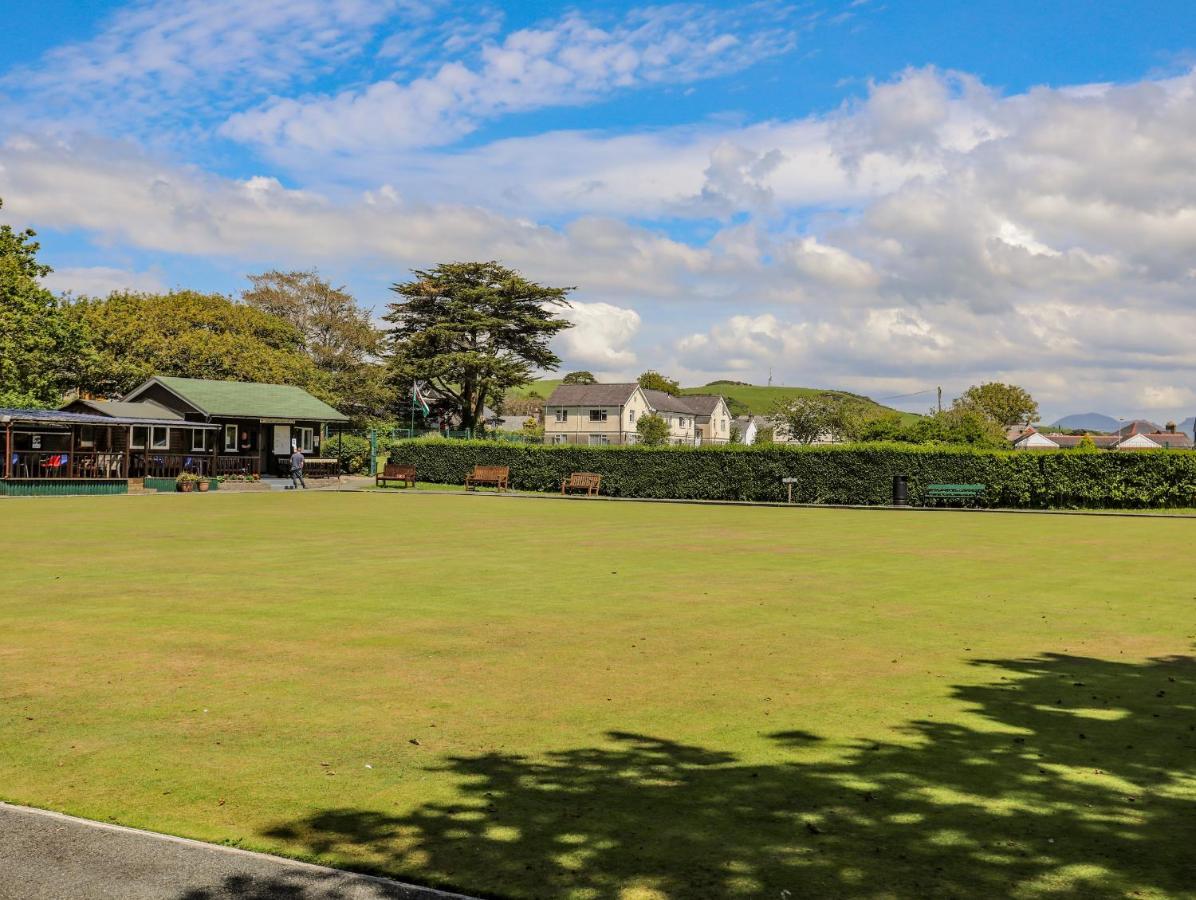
(1171, 428)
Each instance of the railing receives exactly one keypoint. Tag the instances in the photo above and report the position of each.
(57, 464)
(238, 465)
(168, 465)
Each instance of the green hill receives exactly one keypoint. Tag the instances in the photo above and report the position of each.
(744, 399)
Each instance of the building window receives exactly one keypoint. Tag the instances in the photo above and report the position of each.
(230, 438)
(87, 436)
(160, 437)
(632, 414)
(306, 439)
(138, 438)
(724, 427)
(597, 415)
(562, 415)
(200, 440)
(560, 438)
(599, 439)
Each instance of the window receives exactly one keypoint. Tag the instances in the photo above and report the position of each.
(632, 416)
(560, 438)
(230, 438)
(724, 425)
(562, 415)
(598, 439)
(200, 440)
(160, 437)
(138, 438)
(597, 415)
(87, 436)
(306, 439)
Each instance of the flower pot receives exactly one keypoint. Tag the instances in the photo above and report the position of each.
(204, 486)
(186, 487)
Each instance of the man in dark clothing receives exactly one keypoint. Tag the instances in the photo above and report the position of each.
(297, 470)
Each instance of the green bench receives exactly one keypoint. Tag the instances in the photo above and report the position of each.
(954, 491)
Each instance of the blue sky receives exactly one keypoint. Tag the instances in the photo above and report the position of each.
(880, 196)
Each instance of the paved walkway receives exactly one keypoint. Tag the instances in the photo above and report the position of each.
(49, 856)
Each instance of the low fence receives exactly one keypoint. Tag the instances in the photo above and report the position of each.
(848, 474)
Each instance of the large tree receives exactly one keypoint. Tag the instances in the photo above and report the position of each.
(1005, 404)
(472, 331)
(337, 334)
(807, 418)
(40, 345)
(582, 377)
(654, 381)
(187, 334)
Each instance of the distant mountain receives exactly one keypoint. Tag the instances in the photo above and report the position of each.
(1188, 425)
(1088, 422)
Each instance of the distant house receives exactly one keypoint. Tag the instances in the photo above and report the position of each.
(259, 424)
(1131, 437)
(1031, 439)
(748, 427)
(599, 414)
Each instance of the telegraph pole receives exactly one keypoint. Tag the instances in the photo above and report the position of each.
(940, 398)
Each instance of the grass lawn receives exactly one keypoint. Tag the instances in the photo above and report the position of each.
(525, 698)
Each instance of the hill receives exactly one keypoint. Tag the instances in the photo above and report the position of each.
(744, 399)
(1088, 422)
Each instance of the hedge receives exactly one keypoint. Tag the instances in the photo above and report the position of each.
(855, 474)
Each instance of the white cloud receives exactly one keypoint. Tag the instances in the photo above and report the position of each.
(600, 336)
(99, 281)
(570, 61)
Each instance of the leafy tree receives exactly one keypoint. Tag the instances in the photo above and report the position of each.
(338, 335)
(187, 334)
(40, 345)
(1005, 404)
(1086, 445)
(653, 430)
(959, 425)
(736, 434)
(582, 377)
(473, 330)
(765, 436)
(806, 418)
(654, 381)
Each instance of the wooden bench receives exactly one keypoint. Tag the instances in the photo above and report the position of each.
(590, 482)
(395, 472)
(497, 476)
(954, 491)
(329, 467)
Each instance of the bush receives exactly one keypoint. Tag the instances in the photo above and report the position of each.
(352, 450)
(855, 474)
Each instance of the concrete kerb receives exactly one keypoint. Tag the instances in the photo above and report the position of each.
(321, 881)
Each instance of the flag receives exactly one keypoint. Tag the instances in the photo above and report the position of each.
(417, 399)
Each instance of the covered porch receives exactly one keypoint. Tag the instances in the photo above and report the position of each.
(59, 452)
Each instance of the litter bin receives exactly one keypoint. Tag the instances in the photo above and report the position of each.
(900, 490)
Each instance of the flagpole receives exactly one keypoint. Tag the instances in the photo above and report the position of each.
(411, 430)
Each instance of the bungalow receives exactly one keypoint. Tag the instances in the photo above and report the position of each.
(1128, 438)
(599, 414)
(259, 424)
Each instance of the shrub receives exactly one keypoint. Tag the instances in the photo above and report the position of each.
(653, 430)
(856, 474)
(352, 450)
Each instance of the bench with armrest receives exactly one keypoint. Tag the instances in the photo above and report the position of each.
(498, 477)
(590, 482)
(396, 472)
(954, 491)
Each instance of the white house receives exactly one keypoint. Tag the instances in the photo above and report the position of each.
(597, 414)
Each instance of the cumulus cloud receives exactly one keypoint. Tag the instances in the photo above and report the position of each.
(600, 336)
(99, 281)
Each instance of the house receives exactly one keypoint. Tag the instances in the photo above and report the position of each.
(1029, 438)
(748, 427)
(599, 414)
(1131, 437)
(259, 424)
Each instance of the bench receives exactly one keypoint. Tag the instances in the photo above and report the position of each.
(395, 472)
(322, 468)
(497, 476)
(954, 491)
(590, 482)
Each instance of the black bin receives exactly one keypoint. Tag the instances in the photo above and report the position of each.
(900, 490)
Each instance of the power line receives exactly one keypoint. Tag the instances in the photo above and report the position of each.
(903, 396)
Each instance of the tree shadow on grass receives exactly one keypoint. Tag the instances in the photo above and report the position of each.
(1077, 778)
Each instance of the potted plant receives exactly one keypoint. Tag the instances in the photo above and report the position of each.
(204, 484)
(186, 482)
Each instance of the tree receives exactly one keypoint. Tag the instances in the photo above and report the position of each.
(1005, 404)
(338, 335)
(736, 434)
(807, 418)
(959, 425)
(582, 377)
(473, 330)
(653, 430)
(654, 381)
(1086, 445)
(188, 334)
(40, 345)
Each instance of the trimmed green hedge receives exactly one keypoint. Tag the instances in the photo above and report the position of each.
(856, 474)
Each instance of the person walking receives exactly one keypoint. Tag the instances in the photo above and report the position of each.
(297, 469)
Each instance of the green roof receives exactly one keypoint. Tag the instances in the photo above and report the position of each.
(249, 399)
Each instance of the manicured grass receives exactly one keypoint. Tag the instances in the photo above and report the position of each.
(526, 698)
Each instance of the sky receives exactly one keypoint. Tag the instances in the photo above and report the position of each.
(883, 196)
